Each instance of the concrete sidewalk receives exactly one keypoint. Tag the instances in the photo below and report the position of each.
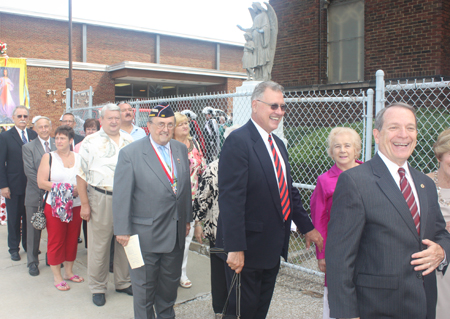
(24, 296)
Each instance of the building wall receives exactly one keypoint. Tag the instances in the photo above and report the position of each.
(189, 53)
(44, 79)
(405, 38)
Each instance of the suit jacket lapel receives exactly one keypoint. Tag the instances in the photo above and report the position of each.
(16, 136)
(392, 191)
(39, 147)
(176, 161)
(52, 144)
(152, 161)
(266, 164)
(423, 198)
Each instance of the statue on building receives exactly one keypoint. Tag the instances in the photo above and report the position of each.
(261, 41)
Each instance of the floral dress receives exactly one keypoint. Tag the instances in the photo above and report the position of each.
(197, 165)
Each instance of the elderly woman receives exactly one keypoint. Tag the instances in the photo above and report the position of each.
(206, 209)
(442, 179)
(57, 175)
(197, 165)
(344, 147)
(90, 126)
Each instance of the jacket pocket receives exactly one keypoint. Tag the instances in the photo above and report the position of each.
(380, 282)
(142, 220)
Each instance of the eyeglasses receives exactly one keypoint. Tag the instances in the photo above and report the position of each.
(275, 106)
(161, 125)
(22, 116)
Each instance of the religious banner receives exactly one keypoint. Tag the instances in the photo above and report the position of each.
(13, 87)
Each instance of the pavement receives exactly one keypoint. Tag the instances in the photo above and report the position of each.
(24, 296)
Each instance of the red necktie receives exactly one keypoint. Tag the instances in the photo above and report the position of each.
(282, 187)
(409, 197)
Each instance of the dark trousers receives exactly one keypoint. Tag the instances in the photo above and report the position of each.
(16, 213)
(219, 289)
(155, 285)
(257, 287)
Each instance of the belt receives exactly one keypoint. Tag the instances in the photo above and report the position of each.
(101, 190)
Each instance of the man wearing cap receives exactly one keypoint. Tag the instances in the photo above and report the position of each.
(12, 178)
(32, 153)
(95, 176)
(127, 116)
(152, 198)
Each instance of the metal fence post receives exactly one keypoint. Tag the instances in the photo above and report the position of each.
(379, 91)
(68, 99)
(90, 102)
(369, 119)
(137, 118)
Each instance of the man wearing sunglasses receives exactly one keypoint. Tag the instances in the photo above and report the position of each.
(257, 203)
(13, 180)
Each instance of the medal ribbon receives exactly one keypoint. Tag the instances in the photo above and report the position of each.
(165, 167)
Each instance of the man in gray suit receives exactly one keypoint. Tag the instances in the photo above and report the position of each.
(152, 198)
(32, 153)
(386, 234)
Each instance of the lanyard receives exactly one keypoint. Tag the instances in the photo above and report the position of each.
(165, 167)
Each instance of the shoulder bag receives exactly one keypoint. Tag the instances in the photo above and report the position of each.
(38, 219)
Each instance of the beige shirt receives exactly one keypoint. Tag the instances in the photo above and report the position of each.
(98, 158)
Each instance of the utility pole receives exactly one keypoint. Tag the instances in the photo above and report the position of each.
(69, 79)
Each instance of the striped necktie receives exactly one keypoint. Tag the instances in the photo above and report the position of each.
(24, 139)
(282, 186)
(47, 148)
(408, 194)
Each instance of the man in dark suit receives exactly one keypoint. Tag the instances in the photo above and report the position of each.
(69, 119)
(386, 235)
(152, 198)
(257, 203)
(12, 178)
(32, 154)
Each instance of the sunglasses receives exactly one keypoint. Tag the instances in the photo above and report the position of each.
(22, 116)
(275, 106)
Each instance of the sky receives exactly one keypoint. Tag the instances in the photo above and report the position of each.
(215, 19)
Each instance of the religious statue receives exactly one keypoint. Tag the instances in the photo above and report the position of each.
(261, 41)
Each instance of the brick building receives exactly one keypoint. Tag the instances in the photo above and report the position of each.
(342, 43)
(119, 62)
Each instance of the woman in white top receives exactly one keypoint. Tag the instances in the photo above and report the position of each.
(62, 208)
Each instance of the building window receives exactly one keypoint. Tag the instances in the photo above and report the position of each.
(346, 41)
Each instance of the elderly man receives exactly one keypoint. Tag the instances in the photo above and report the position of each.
(13, 180)
(69, 119)
(32, 154)
(386, 235)
(257, 203)
(99, 153)
(152, 198)
(127, 116)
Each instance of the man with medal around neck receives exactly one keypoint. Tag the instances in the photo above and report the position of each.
(152, 198)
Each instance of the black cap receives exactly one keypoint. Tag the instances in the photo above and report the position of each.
(162, 110)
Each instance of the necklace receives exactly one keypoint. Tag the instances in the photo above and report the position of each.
(441, 200)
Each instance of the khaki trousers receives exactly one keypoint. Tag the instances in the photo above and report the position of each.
(100, 232)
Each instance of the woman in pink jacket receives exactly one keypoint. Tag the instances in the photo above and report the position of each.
(344, 147)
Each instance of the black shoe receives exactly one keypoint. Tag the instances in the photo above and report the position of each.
(80, 240)
(99, 299)
(15, 256)
(128, 290)
(33, 270)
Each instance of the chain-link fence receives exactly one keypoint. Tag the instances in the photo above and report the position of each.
(309, 118)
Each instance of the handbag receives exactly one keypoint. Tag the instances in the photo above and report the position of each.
(38, 219)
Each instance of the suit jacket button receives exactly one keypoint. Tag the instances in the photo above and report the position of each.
(419, 276)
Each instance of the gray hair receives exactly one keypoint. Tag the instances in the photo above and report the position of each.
(20, 107)
(263, 86)
(109, 107)
(230, 129)
(379, 119)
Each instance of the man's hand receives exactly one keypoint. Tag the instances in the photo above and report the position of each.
(315, 237)
(85, 212)
(188, 228)
(6, 192)
(322, 265)
(235, 260)
(428, 259)
(123, 239)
